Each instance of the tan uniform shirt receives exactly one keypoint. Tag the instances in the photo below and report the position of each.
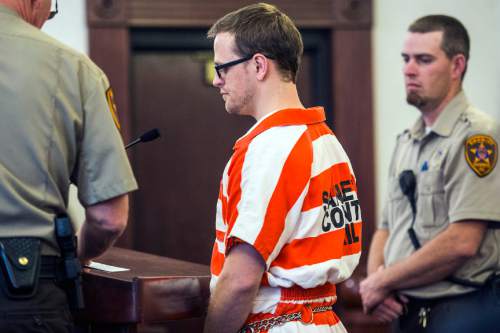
(55, 128)
(456, 180)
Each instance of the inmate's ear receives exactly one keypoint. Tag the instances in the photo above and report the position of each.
(262, 65)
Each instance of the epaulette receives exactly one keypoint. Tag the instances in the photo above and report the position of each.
(403, 134)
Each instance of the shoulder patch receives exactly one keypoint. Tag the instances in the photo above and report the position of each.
(481, 153)
(112, 106)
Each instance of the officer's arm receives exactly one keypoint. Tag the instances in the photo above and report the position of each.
(433, 262)
(390, 308)
(440, 257)
(236, 289)
(376, 254)
(104, 223)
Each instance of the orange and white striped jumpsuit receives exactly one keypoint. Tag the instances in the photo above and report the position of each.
(290, 192)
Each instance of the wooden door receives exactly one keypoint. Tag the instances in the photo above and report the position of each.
(179, 175)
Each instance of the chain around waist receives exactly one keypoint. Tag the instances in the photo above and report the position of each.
(267, 324)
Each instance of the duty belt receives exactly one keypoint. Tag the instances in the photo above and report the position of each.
(51, 268)
(267, 324)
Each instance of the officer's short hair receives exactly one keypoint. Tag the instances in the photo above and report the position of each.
(263, 28)
(455, 37)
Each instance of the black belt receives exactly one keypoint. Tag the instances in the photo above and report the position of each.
(51, 268)
(421, 313)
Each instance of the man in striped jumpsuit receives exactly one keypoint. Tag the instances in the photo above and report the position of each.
(288, 224)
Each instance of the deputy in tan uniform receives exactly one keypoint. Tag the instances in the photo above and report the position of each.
(58, 126)
(434, 257)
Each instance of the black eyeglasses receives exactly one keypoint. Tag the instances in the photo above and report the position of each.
(220, 67)
(53, 12)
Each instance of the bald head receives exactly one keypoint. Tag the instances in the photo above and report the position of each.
(35, 12)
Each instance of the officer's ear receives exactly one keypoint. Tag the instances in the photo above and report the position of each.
(458, 63)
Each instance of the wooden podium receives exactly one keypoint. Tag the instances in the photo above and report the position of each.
(157, 294)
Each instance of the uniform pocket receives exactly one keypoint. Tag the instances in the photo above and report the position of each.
(432, 209)
(398, 205)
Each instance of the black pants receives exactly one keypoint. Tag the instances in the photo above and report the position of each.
(45, 312)
(478, 311)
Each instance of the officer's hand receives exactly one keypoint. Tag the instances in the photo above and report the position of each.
(86, 263)
(372, 290)
(390, 308)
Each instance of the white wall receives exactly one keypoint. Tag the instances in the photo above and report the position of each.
(482, 81)
(70, 24)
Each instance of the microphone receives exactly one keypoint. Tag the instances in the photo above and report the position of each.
(146, 137)
(408, 184)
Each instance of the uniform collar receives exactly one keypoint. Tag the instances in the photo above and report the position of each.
(285, 117)
(446, 121)
(6, 10)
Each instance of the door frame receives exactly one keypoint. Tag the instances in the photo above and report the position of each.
(349, 23)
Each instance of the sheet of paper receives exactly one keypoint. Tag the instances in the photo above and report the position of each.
(106, 268)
